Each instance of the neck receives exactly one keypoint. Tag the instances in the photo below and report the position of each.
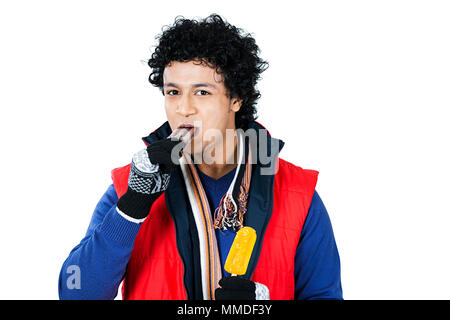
(224, 164)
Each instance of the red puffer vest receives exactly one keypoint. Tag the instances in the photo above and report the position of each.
(155, 269)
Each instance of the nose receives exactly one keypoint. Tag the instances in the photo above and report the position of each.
(185, 107)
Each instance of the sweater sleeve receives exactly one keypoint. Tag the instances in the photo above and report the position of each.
(317, 264)
(95, 268)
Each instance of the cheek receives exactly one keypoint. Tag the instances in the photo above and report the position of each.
(168, 110)
(214, 112)
(211, 123)
(210, 118)
(218, 119)
(171, 115)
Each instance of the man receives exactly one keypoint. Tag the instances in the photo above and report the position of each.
(166, 224)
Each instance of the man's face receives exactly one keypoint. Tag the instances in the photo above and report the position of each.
(196, 93)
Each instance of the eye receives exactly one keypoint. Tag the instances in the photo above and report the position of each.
(169, 92)
(203, 91)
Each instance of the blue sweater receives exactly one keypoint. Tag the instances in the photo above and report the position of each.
(96, 266)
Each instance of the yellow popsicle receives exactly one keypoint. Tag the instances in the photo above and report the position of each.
(241, 251)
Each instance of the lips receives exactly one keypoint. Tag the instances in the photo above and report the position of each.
(185, 132)
(185, 126)
(190, 128)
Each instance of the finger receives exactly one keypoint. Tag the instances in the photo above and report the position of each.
(187, 135)
(236, 283)
(223, 294)
(178, 133)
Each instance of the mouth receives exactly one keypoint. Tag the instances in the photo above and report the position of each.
(185, 126)
(187, 131)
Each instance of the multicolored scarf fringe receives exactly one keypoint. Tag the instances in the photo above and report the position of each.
(228, 214)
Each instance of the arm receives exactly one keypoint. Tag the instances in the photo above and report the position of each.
(317, 265)
(95, 267)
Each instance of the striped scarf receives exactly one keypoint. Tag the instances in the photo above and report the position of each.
(227, 215)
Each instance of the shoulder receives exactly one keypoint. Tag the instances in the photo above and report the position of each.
(295, 178)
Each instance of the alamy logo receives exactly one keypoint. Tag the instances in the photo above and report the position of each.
(74, 280)
(263, 151)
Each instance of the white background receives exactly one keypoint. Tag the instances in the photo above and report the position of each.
(358, 90)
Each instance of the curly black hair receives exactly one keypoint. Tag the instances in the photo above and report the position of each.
(212, 40)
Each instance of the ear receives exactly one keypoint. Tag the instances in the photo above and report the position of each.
(235, 104)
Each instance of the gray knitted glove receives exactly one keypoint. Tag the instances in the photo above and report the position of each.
(150, 174)
(261, 292)
(146, 183)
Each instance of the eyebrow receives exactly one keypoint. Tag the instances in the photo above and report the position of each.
(194, 85)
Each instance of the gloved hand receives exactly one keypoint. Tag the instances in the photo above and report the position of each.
(150, 174)
(238, 288)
